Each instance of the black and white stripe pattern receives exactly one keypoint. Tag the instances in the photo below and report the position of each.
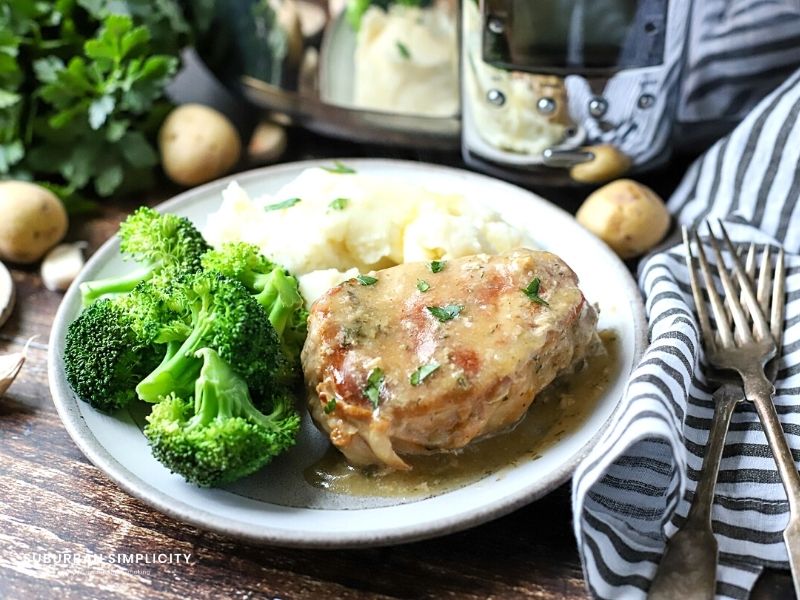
(722, 57)
(737, 50)
(642, 132)
(636, 485)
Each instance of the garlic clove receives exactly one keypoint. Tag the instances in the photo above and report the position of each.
(61, 265)
(312, 18)
(7, 294)
(268, 143)
(10, 366)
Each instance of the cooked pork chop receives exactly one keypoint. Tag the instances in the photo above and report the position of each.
(419, 362)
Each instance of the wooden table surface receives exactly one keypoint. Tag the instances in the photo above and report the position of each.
(53, 501)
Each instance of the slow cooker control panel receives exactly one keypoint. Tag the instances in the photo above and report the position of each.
(571, 89)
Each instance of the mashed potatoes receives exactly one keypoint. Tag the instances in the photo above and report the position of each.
(332, 226)
(406, 61)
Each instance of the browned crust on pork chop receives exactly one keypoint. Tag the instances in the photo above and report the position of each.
(501, 349)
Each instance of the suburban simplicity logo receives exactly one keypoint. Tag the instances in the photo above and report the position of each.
(112, 558)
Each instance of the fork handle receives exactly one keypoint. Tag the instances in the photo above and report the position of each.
(688, 569)
(725, 400)
(759, 390)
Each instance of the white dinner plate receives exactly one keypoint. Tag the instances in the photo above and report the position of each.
(277, 505)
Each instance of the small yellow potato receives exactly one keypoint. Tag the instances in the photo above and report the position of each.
(32, 220)
(626, 215)
(608, 163)
(197, 144)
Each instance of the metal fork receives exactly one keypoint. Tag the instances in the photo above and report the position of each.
(688, 568)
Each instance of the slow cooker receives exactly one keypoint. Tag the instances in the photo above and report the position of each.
(549, 92)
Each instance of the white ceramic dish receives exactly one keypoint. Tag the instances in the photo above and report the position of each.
(277, 505)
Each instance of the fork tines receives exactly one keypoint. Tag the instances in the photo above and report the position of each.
(743, 313)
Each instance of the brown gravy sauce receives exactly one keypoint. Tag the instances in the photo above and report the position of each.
(559, 409)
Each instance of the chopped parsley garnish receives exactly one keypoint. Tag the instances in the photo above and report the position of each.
(437, 265)
(373, 389)
(532, 292)
(285, 204)
(422, 285)
(445, 313)
(339, 204)
(403, 50)
(330, 406)
(366, 280)
(340, 169)
(422, 373)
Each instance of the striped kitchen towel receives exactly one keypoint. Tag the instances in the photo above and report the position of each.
(634, 489)
(737, 51)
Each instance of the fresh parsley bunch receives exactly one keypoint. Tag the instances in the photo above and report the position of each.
(82, 88)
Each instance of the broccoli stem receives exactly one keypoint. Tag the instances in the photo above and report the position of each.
(282, 406)
(178, 372)
(173, 346)
(172, 349)
(220, 393)
(91, 291)
(221, 436)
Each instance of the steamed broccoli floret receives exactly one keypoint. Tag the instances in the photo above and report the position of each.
(159, 308)
(272, 286)
(242, 262)
(155, 240)
(119, 341)
(221, 436)
(104, 357)
(226, 318)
